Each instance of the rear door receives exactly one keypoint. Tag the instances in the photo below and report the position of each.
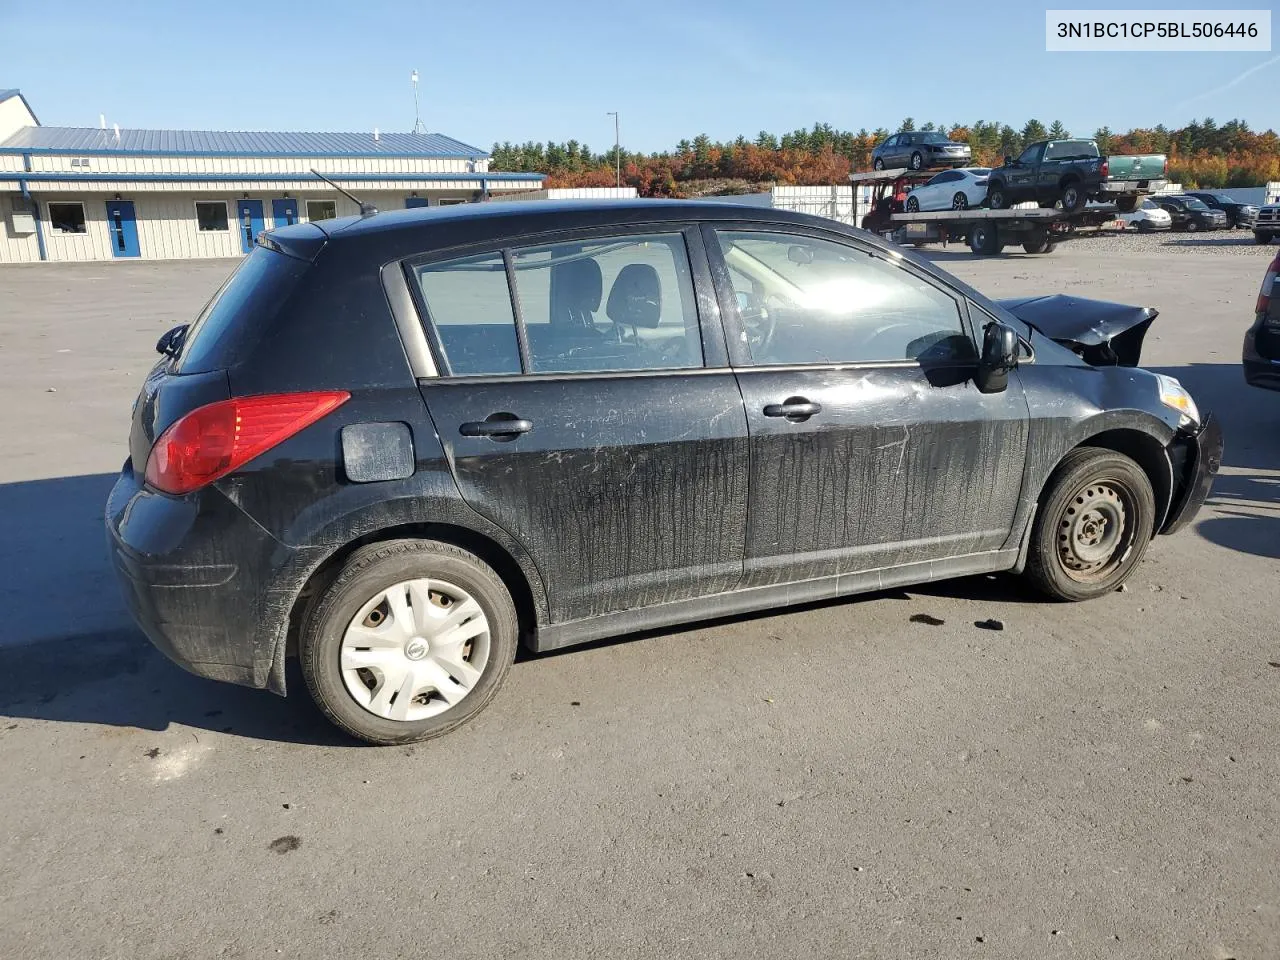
(586, 406)
(870, 445)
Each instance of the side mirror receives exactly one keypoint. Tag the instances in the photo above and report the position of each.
(1008, 160)
(999, 356)
(171, 342)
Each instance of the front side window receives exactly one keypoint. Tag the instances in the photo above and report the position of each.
(623, 303)
(469, 307)
(322, 209)
(211, 215)
(803, 300)
(67, 217)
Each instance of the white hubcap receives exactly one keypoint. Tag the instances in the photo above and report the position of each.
(415, 650)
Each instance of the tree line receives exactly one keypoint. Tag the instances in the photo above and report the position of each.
(1201, 154)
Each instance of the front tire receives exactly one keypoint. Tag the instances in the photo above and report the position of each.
(1126, 204)
(917, 162)
(410, 641)
(1192, 226)
(913, 205)
(878, 164)
(997, 198)
(1095, 520)
(1262, 238)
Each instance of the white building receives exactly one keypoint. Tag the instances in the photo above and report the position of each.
(89, 193)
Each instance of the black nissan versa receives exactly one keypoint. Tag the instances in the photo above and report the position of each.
(397, 444)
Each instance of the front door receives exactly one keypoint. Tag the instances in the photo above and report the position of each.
(122, 228)
(1023, 176)
(588, 421)
(284, 213)
(870, 445)
(249, 215)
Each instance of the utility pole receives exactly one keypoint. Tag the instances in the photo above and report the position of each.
(617, 150)
(417, 115)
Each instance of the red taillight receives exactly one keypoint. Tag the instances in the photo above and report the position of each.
(1106, 168)
(211, 441)
(1268, 283)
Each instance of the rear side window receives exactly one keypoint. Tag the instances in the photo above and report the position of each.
(240, 310)
(469, 305)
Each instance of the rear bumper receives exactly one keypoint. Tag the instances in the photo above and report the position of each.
(196, 576)
(1108, 187)
(1196, 460)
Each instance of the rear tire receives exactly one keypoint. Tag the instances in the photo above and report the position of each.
(1126, 204)
(470, 671)
(1262, 238)
(1095, 521)
(1073, 198)
(878, 164)
(1192, 226)
(916, 162)
(984, 240)
(1036, 243)
(959, 202)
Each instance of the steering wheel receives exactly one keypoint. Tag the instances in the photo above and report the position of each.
(758, 321)
(882, 333)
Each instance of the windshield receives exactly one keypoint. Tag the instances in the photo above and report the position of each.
(1194, 204)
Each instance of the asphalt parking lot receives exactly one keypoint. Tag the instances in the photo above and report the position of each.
(1094, 780)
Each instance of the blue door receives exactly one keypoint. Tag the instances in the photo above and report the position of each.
(122, 227)
(284, 212)
(249, 213)
(415, 201)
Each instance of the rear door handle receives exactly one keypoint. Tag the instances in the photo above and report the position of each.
(793, 408)
(498, 426)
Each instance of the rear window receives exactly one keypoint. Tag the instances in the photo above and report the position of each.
(239, 311)
(1071, 150)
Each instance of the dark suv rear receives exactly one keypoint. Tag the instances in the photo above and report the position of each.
(398, 444)
(1261, 357)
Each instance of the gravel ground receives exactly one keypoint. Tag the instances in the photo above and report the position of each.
(1225, 243)
(874, 778)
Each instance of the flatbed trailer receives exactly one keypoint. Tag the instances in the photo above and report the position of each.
(987, 231)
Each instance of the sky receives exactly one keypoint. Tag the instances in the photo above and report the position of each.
(552, 70)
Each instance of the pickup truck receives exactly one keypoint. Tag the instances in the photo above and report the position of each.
(1073, 172)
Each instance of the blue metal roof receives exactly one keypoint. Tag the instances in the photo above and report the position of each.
(213, 143)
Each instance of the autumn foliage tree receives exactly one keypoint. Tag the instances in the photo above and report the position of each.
(1201, 154)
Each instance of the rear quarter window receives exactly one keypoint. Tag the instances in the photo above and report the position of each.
(237, 315)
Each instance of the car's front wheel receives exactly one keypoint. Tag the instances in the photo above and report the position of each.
(410, 640)
(878, 164)
(997, 199)
(1261, 237)
(917, 162)
(913, 204)
(1093, 526)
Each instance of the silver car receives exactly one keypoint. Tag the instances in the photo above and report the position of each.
(920, 151)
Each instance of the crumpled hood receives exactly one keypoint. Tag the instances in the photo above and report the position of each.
(1103, 333)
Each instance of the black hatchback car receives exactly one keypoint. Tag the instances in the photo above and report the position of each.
(1191, 214)
(398, 444)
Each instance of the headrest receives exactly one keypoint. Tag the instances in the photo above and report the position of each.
(577, 286)
(636, 297)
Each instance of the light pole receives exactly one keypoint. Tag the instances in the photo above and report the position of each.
(617, 150)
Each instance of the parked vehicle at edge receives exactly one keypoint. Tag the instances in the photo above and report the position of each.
(920, 151)
(1267, 224)
(1239, 213)
(1190, 214)
(1261, 355)
(950, 190)
(402, 443)
(1071, 173)
(1149, 217)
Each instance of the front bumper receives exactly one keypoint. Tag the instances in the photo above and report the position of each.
(196, 573)
(1196, 460)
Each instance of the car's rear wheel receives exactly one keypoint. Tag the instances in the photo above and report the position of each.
(1126, 204)
(1093, 526)
(984, 239)
(959, 202)
(1037, 242)
(913, 205)
(410, 640)
(1192, 226)
(1072, 196)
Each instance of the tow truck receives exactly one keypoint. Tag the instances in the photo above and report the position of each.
(986, 231)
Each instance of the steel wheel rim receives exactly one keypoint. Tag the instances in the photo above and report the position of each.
(415, 650)
(1094, 531)
(959, 202)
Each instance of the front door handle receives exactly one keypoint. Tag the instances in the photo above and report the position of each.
(794, 409)
(498, 426)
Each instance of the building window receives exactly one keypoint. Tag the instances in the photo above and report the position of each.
(451, 201)
(322, 209)
(67, 217)
(211, 215)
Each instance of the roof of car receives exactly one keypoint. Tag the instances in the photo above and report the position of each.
(531, 216)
